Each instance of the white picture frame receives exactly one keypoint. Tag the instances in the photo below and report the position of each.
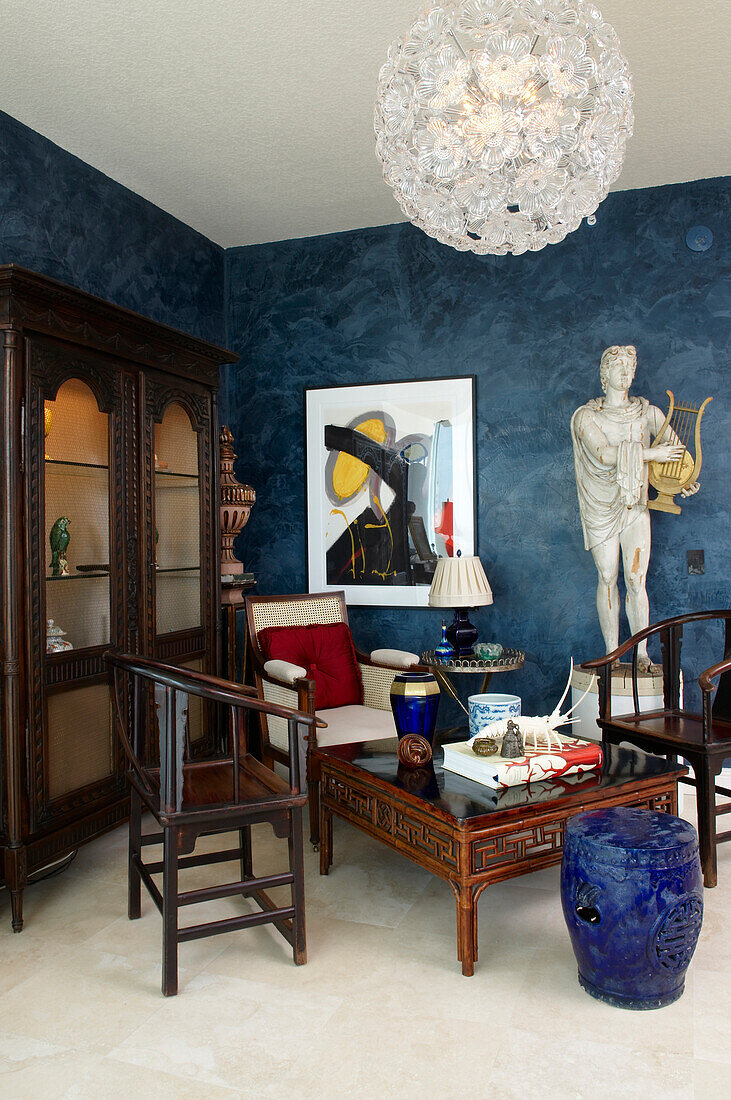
(389, 486)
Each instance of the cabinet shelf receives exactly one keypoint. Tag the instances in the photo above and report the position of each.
(83, 465)
(79, 577)
(61, 475)
(172, 477)
(179, 569)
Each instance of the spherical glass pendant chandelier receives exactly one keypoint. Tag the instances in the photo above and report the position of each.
(500, 124)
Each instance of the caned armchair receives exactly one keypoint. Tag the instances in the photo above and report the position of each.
(293, 684)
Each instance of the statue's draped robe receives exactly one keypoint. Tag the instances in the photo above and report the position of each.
(609, 494)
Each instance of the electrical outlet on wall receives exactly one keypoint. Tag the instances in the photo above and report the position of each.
(696, 562)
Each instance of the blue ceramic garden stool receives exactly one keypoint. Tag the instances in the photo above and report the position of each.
(632, 895)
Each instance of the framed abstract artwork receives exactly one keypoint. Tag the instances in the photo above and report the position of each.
(390, 486)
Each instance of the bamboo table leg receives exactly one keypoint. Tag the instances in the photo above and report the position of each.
(467, 895)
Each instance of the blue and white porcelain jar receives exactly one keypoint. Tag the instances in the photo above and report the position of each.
(491, 707)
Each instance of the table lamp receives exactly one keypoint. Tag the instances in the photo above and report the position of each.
(460, 583)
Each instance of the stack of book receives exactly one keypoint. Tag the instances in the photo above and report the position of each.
(573, 758)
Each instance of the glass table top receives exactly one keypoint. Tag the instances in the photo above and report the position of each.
(464, 798)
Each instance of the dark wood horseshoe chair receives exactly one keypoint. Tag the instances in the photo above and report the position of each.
(191, 794)
(703, 740)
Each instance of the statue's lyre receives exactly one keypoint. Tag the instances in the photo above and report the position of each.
(669, 478)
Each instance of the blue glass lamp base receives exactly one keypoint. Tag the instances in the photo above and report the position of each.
(461, 634)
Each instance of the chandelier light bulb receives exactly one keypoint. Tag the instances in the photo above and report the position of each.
(501, 124)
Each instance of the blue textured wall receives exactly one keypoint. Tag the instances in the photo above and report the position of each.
(62, 218)
(390, 303)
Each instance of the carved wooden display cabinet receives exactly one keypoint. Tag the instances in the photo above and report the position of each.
(108, 420)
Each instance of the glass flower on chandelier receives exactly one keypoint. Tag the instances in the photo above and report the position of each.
(501, 124)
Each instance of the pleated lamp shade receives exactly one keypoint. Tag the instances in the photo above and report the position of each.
(459, 582)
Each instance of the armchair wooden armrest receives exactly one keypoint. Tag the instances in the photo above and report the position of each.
(671, 632)
(706, 684)
(705, 680)
(610, 658)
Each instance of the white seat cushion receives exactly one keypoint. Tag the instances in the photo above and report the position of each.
(344, 726)
(354, 723)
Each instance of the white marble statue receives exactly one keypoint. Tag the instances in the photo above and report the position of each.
(612, 437)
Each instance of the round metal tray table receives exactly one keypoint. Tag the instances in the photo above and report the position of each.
(508, 661)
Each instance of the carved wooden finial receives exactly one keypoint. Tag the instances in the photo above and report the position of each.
(236, 503)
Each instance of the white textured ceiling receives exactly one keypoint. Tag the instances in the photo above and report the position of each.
(252, 120)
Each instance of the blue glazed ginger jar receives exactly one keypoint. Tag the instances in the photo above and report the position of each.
(632, 896)
(415, 702)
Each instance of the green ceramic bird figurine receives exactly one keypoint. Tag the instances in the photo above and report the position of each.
(59, 539)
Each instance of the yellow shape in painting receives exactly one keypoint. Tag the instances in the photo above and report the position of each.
(350, 473)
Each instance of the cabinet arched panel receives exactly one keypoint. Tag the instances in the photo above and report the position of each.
(181, 524)
(76, 599)
(53, 364)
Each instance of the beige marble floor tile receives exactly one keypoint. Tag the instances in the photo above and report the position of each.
(433, 981)
(513, 926)
(711, 1080)
(381, 1009)
(551, 998)
(65, 910)
(378, 1053)
(548, 878)
(31, 1068)
(563, 1067)
(140, 941)
(110, 1079)
(367, 882)
(713, 1017)
(105, 859)
(714, 944)
(20, 958)
(224, 1031)
(342, 957)
(83, 999)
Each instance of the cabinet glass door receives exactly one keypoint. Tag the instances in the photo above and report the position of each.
(177, 511)
(77, 587)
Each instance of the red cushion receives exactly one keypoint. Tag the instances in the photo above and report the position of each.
(326, 651)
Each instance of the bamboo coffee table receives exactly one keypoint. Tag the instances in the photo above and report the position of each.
(469, 834)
